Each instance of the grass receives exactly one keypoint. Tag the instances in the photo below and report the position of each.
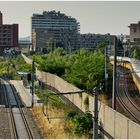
(55, 124)
(53, 116)
(49, 95)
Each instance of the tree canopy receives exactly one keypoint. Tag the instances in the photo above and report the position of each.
(82, 68)
(135, 52)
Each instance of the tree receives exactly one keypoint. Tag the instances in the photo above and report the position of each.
(83, 123)
(101, 46)
(49, 45)
(135, 52)
(81, 68)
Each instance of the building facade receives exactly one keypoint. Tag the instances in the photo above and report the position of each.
(124, 38)
(135, 32)
(8, 35)
(54, 29)
(90, 41)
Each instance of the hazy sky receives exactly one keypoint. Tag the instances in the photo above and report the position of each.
(94, 17)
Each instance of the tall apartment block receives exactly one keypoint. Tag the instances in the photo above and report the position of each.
(54, 29)
(8, 35)
(135, 32)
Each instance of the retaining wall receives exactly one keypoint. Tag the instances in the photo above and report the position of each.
(117, 125)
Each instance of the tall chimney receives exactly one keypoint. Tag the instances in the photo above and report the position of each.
(1, 19)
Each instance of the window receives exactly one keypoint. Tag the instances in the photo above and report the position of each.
(138, 39)
(134, 30)
(135, 39)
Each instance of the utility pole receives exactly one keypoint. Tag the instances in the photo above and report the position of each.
(114, 75)
(95, 119)
(129, 49)
(106, 75)
(33, 76)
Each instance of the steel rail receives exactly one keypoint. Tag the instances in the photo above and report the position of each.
(126, 92)
(19, 103)
(123, 104)
(12, 120)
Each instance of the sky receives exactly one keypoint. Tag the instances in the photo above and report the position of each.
(101, 17)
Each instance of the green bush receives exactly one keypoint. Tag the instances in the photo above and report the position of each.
(86, 103)
(81, 68)
(83, 123)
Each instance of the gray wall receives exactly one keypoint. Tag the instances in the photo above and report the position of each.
(117, 125)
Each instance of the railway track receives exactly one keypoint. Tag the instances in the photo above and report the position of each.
(124, 99)
(133, 91)
(11, 116)
(19, 126)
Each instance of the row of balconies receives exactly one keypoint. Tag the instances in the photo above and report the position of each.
(53, 20)
(6, 44)
(5, 37)
(6, 32)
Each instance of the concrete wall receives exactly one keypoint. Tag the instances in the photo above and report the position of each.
(27, 60)
(117, 125)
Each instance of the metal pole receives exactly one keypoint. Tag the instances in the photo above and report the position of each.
(95, 119)
(33, 70)
(114, 75)
(46, 94)
(129, 50)
(124, 51)
(106, 69)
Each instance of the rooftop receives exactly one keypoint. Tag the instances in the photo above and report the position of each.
(135, 24)
(53, 14)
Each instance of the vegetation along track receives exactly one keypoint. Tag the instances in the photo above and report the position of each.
(17, 115)
(123, 98)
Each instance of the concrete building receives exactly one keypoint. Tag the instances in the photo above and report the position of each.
(135, 32)
(123, 38)
(54, 29)
(90, 41)
(8, 35)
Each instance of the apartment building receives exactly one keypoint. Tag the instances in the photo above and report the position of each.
(54, 29)
(90, 41)
(8, 35)
(135, 32)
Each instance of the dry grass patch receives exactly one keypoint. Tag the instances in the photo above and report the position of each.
(54, 124)
(103, 98)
